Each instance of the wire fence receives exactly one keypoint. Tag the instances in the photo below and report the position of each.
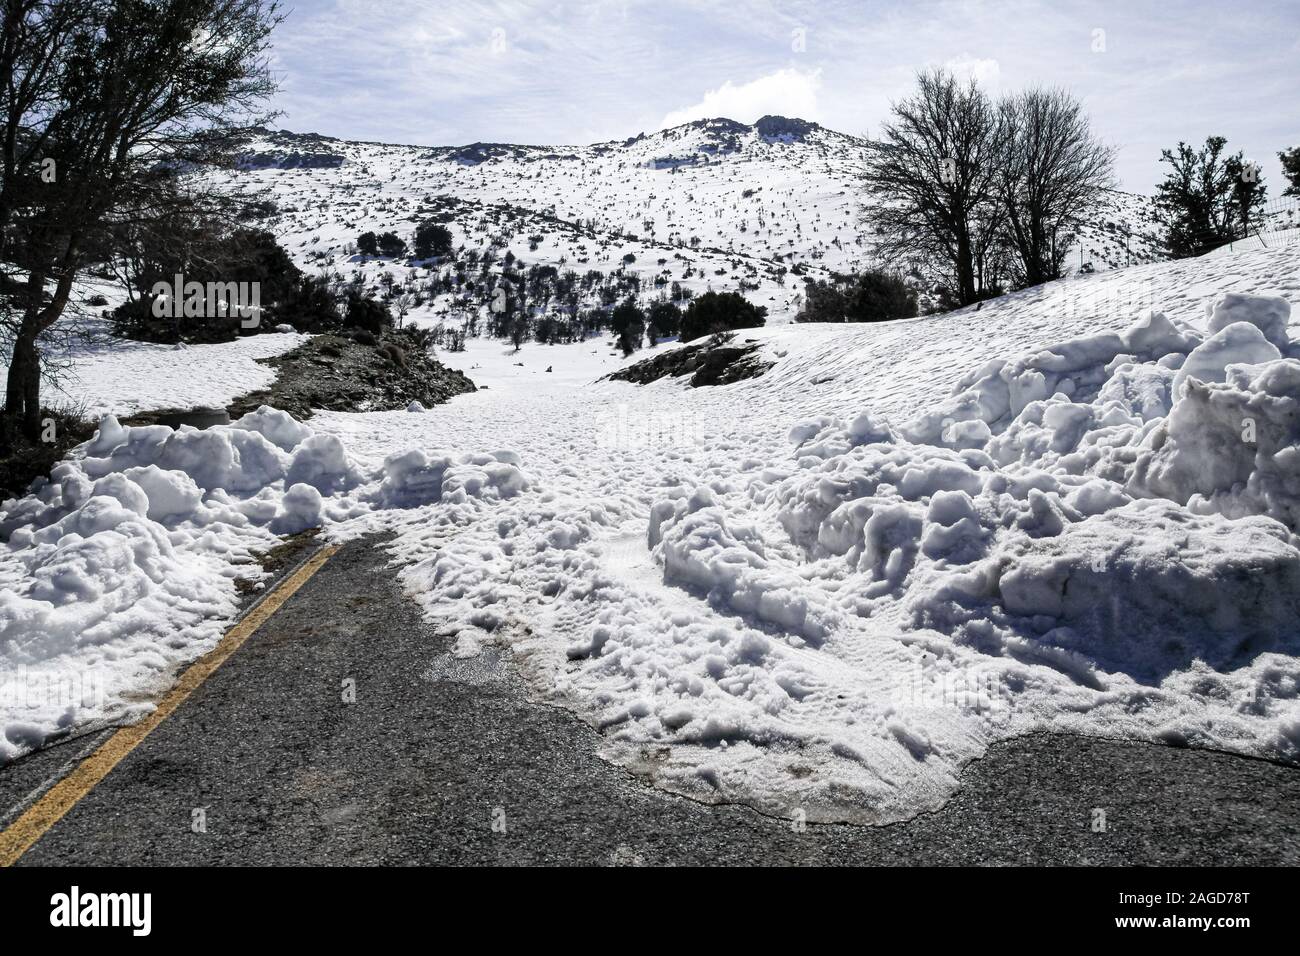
(1278, 224)
(1115, 246)
(1112, 245)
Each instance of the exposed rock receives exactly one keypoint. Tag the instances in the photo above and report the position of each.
(784, 128)
(290, 159)
(711, 362)
(345, 374)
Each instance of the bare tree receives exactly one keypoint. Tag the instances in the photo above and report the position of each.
(402, 305)
(104, 104)
(933, 176)
(1050, 173)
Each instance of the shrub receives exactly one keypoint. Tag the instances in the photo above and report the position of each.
(421, 339)
(369, 315)
(871, 296)
(241, 256)
(368, 244)
(134, 319)
(665, 319)
(394, 353)
(309, 307)
(26, 460)
(255, 255)
(258, 209)
(392, 245)
(432, 239)
(628, 321)
(720, 312)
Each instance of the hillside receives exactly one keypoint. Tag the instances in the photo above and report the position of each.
(712, 204)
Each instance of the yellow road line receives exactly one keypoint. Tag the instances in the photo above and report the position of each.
(63, 796)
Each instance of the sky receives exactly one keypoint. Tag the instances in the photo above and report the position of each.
(448, 72)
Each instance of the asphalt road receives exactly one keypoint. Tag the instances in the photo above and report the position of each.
(435, 750)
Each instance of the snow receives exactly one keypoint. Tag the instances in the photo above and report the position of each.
(706, 205)
(828, 588)
(123, 565)
(837, 586)
(1146, 589)
(125, 378)
(1268, 313)
(1230, 447)
(494, 364)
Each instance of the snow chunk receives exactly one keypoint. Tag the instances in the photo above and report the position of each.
(1154, 335)
(1241, 343)
(279, 428)
(1147, 588)
(412, 478)
(300, 509)
(1268, 313)
(322, 462)
(702, 549)
(1231, 447)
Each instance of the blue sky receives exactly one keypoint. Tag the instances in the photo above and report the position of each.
(443, 72)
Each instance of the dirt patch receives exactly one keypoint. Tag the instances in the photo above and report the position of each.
(279, 559)
(176, 417)
(362, 373)
(716, 361)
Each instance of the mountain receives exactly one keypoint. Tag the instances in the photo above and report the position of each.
(711, 204)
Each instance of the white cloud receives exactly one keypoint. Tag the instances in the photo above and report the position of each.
(986, 72)
(787, 92)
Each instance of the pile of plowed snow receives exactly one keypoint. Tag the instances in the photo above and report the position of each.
(1119, 508)
(123, 564)
(836, 613)
(1131, 498)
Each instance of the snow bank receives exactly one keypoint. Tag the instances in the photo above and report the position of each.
(1072, 444)
(832, 609)
(1095, 521)
(122, 565)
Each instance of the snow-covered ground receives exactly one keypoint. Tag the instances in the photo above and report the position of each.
(711, 204)
(125, 378)
(1288, 236)
(828, 588)
(91, 372)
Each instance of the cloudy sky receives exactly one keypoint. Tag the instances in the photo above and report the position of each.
(440, 72)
